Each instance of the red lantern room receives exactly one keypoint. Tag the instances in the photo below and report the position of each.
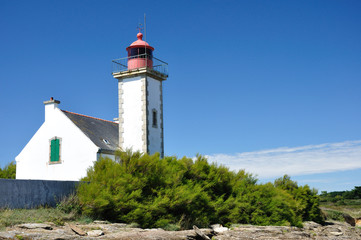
(140, 54)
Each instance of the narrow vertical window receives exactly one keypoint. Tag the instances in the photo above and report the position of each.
(55, 150)
(154, 123)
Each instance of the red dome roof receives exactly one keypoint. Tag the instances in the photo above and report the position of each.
(140, 43)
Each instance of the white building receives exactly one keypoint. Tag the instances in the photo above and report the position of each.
(67, 144)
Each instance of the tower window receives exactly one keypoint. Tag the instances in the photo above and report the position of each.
(135, 52)
(154, 118)
(55, 150)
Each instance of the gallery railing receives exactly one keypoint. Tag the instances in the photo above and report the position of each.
(137, 62)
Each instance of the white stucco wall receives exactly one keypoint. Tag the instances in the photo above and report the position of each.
(77, 152)
(154, 102)
(132, 114)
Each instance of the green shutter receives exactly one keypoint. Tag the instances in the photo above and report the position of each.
(54, 147)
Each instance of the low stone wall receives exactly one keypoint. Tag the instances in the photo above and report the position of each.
(16, 193)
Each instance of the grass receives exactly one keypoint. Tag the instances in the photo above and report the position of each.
(19, 237)
(334, 210)
(11, 217)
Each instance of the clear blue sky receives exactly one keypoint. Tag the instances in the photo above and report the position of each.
(273, 87)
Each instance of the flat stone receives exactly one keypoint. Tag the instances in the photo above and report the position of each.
(7, 235)
(336, 233)
(35, 225)
(218, 228)
(77, 230)
(100, 222)
(310, 225)
(95, 233)
(120, 225)
(200, 233)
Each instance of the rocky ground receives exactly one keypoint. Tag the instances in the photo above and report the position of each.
(103, 230)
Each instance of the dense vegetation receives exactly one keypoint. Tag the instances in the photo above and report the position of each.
(340, 196)
(9, 171)
(177, 193)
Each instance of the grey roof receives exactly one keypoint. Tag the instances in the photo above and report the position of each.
(102, 133)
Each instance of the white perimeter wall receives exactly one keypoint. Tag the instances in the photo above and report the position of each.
(132, 115)
(154, 102)
(77, 152)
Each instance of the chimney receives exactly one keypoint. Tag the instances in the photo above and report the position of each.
(50, 106)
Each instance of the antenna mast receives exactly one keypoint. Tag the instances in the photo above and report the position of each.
(145, 29)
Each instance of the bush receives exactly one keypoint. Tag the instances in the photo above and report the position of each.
(308, 202)
(9, 171)
(178, 193)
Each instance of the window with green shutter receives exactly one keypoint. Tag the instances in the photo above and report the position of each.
(55, 150)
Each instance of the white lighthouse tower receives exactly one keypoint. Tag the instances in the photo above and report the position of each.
(140, 77)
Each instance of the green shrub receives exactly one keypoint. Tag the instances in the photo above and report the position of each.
(9, 171)
(308, 202)
(180, 193)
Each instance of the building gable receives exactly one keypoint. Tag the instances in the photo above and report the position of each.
(103, 133)
(66, 159)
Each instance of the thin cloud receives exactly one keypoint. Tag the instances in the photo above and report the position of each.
(311, 159)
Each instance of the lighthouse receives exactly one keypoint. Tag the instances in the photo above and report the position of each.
(140, 93)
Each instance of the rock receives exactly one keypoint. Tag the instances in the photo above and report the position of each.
(50, 235)
(310, 225)
(35, 225)
(331, 228)
(113, 227)
(336, 233)
(358, 222)
(350, 220)
(311, 231)
(120, 225)
(218, 228)
(77, 230)
(95, 233)
(200, 233)
(100, 222)
(7, 235)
